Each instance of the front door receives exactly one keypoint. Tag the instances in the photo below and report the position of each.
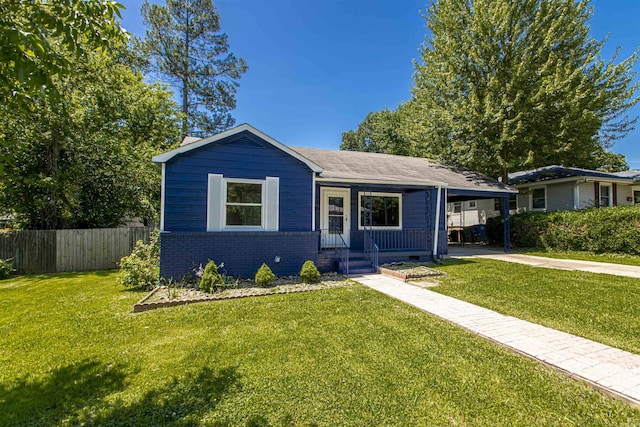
(334, 216)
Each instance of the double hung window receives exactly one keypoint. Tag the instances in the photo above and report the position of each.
(605, 195)
(244, 204)
(539, 199)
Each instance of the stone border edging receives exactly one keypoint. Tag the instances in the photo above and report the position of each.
(393, 273)
(142, 305)
(405, 276)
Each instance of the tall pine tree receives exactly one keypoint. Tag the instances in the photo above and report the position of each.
(185, 41)
(505, 85)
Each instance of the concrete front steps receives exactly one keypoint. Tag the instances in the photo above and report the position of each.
(359, 263)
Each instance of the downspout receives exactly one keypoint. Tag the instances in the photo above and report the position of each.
(434, 255)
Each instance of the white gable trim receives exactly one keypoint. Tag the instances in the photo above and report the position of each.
(164, 157)
(163, 195)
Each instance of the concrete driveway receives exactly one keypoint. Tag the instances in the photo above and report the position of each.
(544, 262)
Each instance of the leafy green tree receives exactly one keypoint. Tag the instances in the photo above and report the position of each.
(610, 162)
(380, 132)
(185, 41)
(85, 160)
(41, 39)
(505, 85)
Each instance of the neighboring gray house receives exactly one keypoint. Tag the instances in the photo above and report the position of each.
(555, 188)
(471, 212)
(635, 175)
(552, 188)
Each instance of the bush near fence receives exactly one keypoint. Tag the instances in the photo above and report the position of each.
(596, 230)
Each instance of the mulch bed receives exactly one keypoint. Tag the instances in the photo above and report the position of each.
(164, 296)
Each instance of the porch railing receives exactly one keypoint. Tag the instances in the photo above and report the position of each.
(371, 249)
(398, 240)
(334, 240)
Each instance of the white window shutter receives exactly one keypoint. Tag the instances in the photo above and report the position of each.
(272, 203)
(215, 202)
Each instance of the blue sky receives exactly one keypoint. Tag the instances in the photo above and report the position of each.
(317, 68)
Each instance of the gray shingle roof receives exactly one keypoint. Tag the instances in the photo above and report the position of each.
(548, 173)
(392, 169)
(633, 174)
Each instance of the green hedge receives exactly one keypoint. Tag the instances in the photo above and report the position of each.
(597, 230)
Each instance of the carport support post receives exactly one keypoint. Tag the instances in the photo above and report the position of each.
(506, 226)
(437, 225)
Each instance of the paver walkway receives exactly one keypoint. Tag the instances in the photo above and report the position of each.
(561, 264)
(612, 370)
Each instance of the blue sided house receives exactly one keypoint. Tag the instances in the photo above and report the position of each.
(242, 198)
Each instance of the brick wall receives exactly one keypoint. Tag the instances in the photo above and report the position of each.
(241, 252)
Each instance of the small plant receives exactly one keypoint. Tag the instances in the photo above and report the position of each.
(211, 280)
(309, 273)
(264, 276)
(172, 289)
(140, 269)
(6, 268)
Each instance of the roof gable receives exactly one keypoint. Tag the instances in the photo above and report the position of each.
(165, 157)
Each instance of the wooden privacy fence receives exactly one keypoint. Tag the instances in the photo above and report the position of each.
(56, 251)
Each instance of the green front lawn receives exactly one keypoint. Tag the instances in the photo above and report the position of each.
(600, 307)
(72, 352)
(587, 256)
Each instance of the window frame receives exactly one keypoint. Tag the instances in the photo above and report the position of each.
(457, 207)
(609, 188)
(475, 204)
(633, 195)
(225, 203)
(533, 190)
(379, 194)
(514, 198)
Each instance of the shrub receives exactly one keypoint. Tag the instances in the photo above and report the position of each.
(264, 276)
(211, 280)
(140, 269)
(6, 268)
(596, 230)
(309, 273)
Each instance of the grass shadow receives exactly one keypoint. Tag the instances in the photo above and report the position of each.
(456, 261)
(181, 401)
(60, 395)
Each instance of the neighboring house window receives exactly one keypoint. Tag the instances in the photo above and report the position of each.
(605, 195)
(472, 204)
(496, 204)
(242, 204)
(386, 209)
(538, 199)
(636, 197)
(457, 207)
